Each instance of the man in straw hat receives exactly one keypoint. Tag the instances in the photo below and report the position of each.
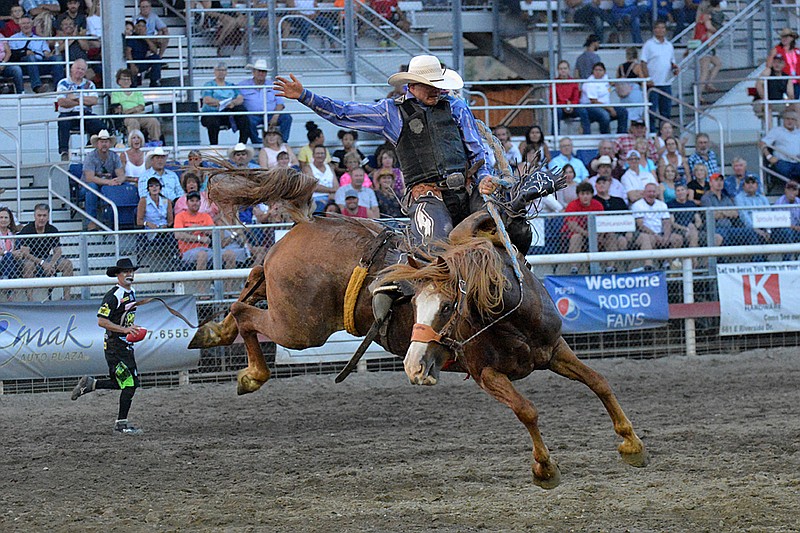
(156, 161)
(435, 136)
(116, 316)
(263, 99)
(102, 166)
(241, 155)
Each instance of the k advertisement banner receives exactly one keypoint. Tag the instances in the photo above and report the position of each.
(607, 302)
(60, 339)
(758, 298)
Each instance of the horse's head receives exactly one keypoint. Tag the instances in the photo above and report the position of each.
(457, 290)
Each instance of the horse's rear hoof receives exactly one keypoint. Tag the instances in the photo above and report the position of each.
(207, 336)
(639, 459)
(547, 478)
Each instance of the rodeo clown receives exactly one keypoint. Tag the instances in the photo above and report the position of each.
(116, 316)
(437, 141)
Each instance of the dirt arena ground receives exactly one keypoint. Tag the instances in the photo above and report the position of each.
(377, 454)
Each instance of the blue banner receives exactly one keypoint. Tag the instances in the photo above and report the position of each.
(608, 302)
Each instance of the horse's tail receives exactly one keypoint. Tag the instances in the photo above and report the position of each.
(231, 186)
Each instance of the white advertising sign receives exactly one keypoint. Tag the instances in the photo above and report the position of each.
(759, 298)
(772, 219)
(615, 223)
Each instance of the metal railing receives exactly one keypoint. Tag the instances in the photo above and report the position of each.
(16, 163)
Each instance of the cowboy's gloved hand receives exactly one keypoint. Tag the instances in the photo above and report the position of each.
(487, 185)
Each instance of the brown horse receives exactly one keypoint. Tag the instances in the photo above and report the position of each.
(304, 277)
(470, 307)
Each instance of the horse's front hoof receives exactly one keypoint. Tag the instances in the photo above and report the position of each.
(546, 477)
(638, 459)
(207, 336)
(245, 383)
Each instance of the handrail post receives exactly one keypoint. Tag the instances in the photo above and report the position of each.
(274, 39)
(174, 124)
(350, 40)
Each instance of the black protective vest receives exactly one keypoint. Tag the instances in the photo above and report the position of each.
(430, 145)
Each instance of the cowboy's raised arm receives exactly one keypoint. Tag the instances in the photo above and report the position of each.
(382, 118)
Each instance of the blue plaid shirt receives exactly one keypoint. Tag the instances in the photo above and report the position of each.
(383, 118)
(711, 164)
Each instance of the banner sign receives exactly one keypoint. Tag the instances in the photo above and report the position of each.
(61, 339)
(758, 298)
(772, 219)
(608, 302)
(615, 223)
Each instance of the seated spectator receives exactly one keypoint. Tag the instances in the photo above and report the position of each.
(781, 147)
(388, 202)
(699, 185)
(591, 14)
(627, 142)
(710, 18)
(386, 161)
(635, 178)
(626, 15)
(653, 224)
(190, 182)
(351, 161)
(791, 54)
(274, 145)
(511, 152)
(597, 90)
(283, 160)
(779, 235)
(726, 221)
(734, 184)
(170, 184)
(534, 149)
(666, 131)
(43, 13)
(219, 99)
(155, 212)
(10, 254)
(42, 257)
(332, 208)
(306, 153)
(155, 26)
(11, 25)
(25, 48)
(255, 99)
(389, 10)
(241, 156)
(641, 146)
(351, 207)
(101, 167)
(585, 62)
(566, 157)
(195, 164)
(603, 167)
(194, 245)
(133, 158)
(749, 196)
(668, 184)
(348, 139)
(576, 227)
(569, 193)
(235, 252)
(10, 71)
(672, 157)
(132, 103)
(569, 95)
(685, 223)
(611, 241)
(608, 148)
(366, 197)
(142, 54)
(704, 154)
(78, 48)
(69, 99)
(73, 12)
(327, 182)
(631, 92)
(777, 90)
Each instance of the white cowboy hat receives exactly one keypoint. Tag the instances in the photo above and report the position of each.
(260, 64)
(241, 147)
(155, 151)
(101, 135)
(602, 160)
(427, 70)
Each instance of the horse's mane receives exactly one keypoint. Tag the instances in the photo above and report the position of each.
(476, 262)
(229, 185)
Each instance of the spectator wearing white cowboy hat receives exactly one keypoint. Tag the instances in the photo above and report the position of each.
(263, 99)
(101, 167)
(156, 161)
(241, 155)
(436, 139)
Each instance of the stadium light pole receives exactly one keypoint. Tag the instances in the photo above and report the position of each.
(112, 41)
(458, 34)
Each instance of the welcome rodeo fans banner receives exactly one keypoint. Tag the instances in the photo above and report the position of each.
(60, 339)
(758, 298)
(607, 302)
